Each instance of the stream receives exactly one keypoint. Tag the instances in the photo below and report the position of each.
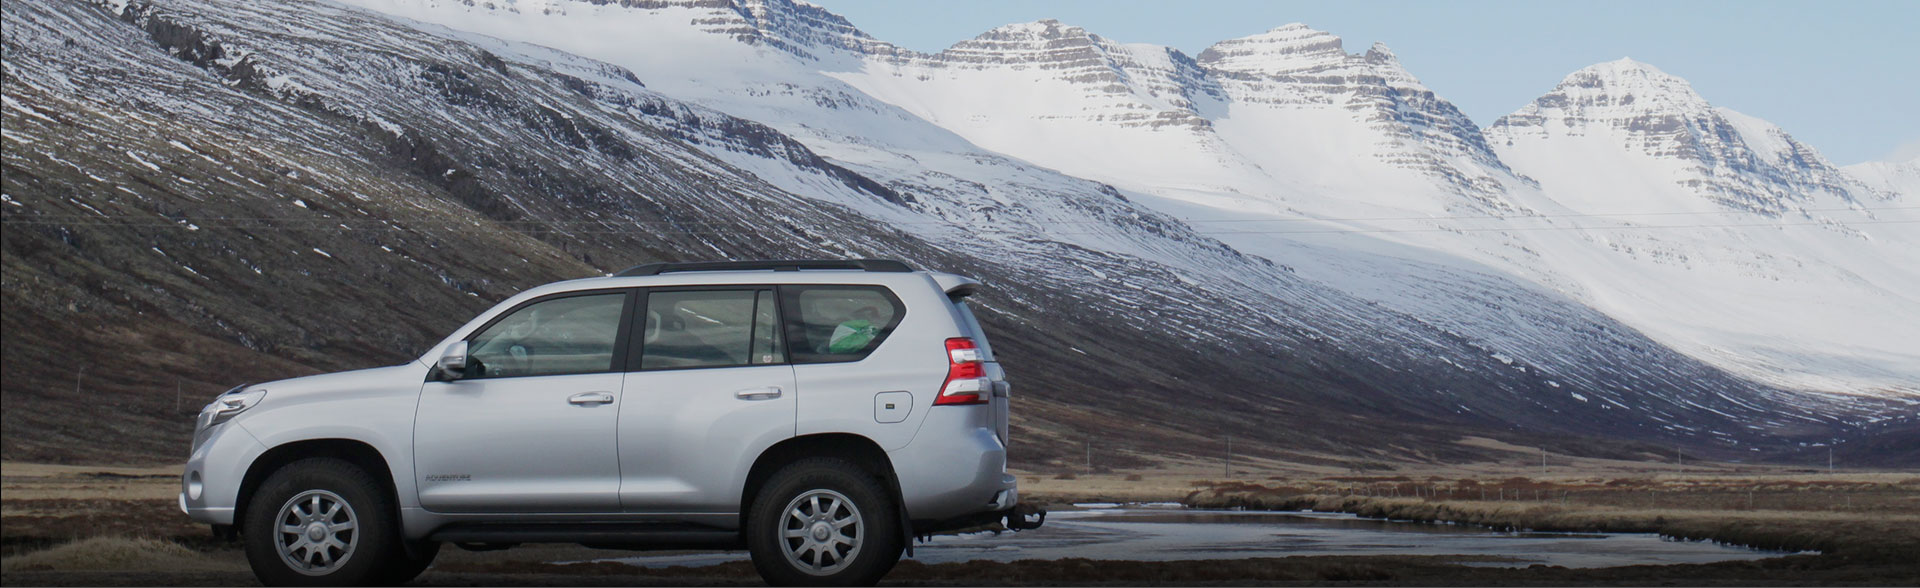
(1175, 534)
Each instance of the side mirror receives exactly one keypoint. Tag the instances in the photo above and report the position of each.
(453, 363)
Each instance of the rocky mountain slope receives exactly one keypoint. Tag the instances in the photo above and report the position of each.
(203, 192)
(1282, 143)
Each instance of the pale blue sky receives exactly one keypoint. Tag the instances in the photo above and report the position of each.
(1842, 76)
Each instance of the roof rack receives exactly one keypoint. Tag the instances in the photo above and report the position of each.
(783, 265)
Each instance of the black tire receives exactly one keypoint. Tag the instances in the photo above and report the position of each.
(878, 530)
(375, 553)
(407, 567)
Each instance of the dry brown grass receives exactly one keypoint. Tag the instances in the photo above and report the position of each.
(30, 481)
(116, 553)
(44, 506)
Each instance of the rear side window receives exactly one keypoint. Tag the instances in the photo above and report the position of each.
(827, 324)
(709, 328)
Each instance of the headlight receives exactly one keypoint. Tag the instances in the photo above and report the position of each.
(227, 405)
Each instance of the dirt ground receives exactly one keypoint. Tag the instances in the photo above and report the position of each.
(1293, 571)
(139, 538)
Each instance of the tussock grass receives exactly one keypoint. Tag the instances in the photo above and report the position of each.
(37, 524)
(113, 553)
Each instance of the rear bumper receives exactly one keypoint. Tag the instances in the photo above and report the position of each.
(954, 468)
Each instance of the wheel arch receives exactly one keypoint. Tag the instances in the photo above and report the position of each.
(861, 450)
(356, 452)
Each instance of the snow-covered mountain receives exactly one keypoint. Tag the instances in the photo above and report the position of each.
(1627, 109)
(1282, 144)
(1897, 177)
(1825, 300)
(462, 150)
(1257, 135)
(1286, 126)
(1263, 123)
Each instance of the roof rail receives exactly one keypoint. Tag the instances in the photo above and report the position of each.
(783, 265)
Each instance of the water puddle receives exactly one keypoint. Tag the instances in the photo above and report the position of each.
(1175, 535)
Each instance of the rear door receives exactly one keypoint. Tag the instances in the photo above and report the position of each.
(708, 388)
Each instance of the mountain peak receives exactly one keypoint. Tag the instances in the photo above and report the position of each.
(1624, 82)
(1046, 29)
(1624, 62)
(1380, 53)
(1292, 29)
(1044, 40)
(1283, 49)
(1625, 67)
(1733, 160)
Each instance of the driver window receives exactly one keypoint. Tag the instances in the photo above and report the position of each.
(572, 335)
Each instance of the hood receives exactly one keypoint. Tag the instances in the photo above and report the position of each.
(342, 382)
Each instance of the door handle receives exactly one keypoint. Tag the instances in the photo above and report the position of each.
(767, 393)
(591, 398)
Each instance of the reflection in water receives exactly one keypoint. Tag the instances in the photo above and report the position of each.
(1172, 535)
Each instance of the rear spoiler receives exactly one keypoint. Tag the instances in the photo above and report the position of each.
(956, 286)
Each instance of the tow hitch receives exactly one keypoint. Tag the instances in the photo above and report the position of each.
(1017, 517)
(1022, 517)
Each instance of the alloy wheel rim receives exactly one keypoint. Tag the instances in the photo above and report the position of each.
(821, 532)
(316, 532)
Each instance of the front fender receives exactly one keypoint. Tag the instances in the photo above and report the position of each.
(375, 407)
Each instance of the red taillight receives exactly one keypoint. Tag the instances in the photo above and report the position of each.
(967, 381)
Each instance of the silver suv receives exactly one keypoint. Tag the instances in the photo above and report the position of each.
(820, 414)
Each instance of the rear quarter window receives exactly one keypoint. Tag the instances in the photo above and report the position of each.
(830, 324)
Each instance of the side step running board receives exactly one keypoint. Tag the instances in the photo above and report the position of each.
(607, 535)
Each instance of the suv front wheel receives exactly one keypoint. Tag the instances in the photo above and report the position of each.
(823, 522)
(322, 522)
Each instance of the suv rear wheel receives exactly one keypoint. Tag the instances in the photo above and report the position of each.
(823, 522)
(322, 522)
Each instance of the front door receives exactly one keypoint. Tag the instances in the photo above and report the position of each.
(707, 390)
(530, 426)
